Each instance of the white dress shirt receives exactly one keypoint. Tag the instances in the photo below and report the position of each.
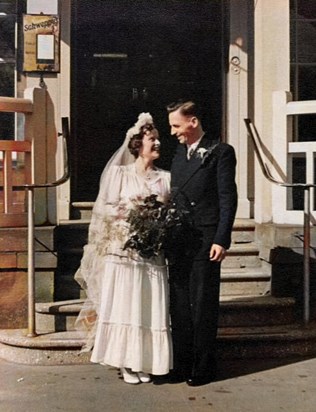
(192, 147)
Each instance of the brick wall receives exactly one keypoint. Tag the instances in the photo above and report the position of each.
(13, 273)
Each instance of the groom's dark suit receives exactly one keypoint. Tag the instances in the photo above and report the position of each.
(194, 280)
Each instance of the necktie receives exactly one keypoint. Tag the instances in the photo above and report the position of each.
(190, 153)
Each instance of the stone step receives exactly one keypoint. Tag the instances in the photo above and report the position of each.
(57, 348)
(57, 316)
(249, 311)
(71, 236)
(237, 311)
(250, 281)
(277, 341)
(66, 307)
(242, 255)
(243, 227)
(83, 210)
(62, 348)
(243, 231)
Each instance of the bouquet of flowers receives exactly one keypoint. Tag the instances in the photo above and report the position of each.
(154, 225)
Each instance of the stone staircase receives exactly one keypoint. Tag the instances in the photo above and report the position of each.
(252, 324)
(252, 327)
(243, 272)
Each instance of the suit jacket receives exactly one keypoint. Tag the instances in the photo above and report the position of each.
(209, 189)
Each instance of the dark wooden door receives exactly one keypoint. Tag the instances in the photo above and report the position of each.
(129, 57)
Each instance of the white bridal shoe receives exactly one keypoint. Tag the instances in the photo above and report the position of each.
(144, 377)
(129, 376)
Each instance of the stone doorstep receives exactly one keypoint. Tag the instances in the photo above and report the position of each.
(243, 231)
(259, 311)
(43, 357)
(244, 224)
(65, 307)
(84, 209)
(249, 274)
(284, 341)
(250, 249)
(242, 255)
(73, 307)
(59, 348)
(236, 289)
(239, 223)
(57, 316)
(47, 340)
(63, 348)
(234, 311)
(256, 302)
(74, 339)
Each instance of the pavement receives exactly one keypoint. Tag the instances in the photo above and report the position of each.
(245, 385)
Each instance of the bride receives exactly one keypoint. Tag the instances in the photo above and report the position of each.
(126, 310)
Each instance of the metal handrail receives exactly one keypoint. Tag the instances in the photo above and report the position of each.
(31, 226)
(253, 133)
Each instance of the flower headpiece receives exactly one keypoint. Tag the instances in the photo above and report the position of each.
(143, 119)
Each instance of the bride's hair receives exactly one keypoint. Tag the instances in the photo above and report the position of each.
(136, 141)
(135, 144)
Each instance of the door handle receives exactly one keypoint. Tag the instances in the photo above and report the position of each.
(145, 94)
(134, 93)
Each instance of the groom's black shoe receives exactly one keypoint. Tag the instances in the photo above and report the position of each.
(171, 377)
(200, 380)
(176, 377)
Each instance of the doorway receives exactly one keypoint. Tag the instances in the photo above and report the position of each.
(129, 57)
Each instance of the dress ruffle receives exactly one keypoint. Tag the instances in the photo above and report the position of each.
(141, 349)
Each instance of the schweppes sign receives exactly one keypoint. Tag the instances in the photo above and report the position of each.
(41, 36)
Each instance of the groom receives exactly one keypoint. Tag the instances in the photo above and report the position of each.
(202, 175)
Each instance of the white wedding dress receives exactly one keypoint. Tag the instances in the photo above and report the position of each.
(126, 311)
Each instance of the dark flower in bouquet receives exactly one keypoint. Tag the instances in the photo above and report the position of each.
(154, 226)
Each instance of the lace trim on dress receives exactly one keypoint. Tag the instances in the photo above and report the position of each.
(156, 360)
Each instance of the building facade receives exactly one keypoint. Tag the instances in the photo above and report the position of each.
(239, 58)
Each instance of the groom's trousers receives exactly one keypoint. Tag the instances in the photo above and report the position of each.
(194, 308)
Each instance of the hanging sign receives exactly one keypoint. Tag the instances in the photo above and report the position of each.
(41, 43)
(42, 6)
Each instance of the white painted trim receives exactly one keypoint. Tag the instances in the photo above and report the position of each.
(237, 108)
(283, 149)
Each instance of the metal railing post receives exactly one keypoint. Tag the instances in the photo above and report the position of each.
(306, 280)
(306, 188)
(31, 227)
(31, 263)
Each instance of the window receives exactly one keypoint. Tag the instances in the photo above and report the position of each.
(303, 63)
(303, 86)
(7, 63)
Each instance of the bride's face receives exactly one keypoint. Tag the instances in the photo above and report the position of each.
(150, 148)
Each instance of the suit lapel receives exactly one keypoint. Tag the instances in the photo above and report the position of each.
(183, 168)
(195, 161)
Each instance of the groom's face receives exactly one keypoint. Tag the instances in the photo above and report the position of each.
(182, 127)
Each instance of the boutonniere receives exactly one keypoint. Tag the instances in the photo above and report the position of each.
(201, 152)
(205, 154)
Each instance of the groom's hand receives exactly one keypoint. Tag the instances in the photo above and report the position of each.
(217, 253)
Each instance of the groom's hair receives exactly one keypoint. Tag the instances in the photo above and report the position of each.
(187, 108)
